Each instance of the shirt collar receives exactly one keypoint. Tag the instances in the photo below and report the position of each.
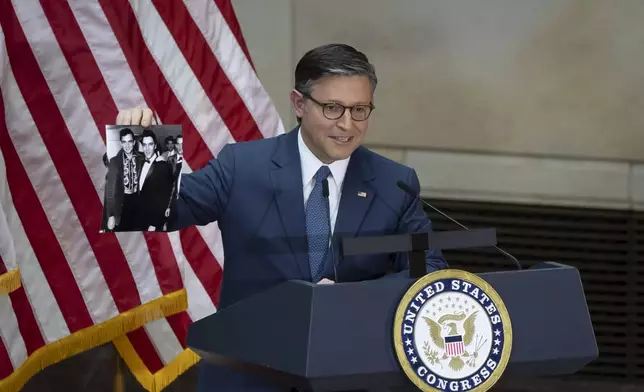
(155, 157)
(310, 164)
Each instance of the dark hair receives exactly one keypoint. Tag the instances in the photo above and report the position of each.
(169, 139)
(124, 132)
(178, 137)
(332, 59)
(149, 133)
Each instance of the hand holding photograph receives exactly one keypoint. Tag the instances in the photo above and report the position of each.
(143, 176)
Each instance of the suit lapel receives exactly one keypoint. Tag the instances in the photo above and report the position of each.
(152, 164)
(357, 196)
(287, 186)
(149, 174)
(139, 161)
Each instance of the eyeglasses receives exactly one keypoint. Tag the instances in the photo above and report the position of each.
(334, 110)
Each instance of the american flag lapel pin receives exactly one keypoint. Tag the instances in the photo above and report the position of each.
(362, 194)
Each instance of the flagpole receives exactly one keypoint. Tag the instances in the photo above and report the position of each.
(119, 376)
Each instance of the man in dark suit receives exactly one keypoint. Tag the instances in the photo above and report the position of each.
(267, 195)
(122, 183)
(175, 157)
(175, 160)
(155, 186)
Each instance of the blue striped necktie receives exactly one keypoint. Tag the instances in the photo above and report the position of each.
(317, 225)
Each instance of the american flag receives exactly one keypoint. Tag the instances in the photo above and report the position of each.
(454, 345)
(66, 68)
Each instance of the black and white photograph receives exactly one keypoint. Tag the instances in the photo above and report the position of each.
(143, 176)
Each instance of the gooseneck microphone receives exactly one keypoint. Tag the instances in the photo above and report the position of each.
(409, 191)
(325, 193)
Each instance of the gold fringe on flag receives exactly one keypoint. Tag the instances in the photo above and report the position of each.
(10, 281)
(158, 381)
(94, 336)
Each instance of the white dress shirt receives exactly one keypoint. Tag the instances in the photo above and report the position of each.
(310, 165)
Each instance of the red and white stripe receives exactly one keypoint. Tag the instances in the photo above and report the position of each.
(454, 348)
(65, 70)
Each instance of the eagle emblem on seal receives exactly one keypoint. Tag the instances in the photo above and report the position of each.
(453, 334)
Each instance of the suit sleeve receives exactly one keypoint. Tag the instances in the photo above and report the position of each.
(415, 220)
(204, 194)
(165, 189)
(176, 172)
(110, 188)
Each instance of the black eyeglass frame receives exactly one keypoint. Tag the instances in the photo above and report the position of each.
(324, 105)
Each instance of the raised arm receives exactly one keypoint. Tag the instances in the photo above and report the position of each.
(204, 194)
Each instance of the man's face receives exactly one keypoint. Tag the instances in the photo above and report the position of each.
(179, 145)
(332, 140)
(169, 145)
(148, 147)
(127, 143)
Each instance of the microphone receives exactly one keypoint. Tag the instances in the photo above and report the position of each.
(325, 193)
(411, 192)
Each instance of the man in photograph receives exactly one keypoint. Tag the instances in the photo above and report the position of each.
(122, 184)
(169, 147)
(175, 159)
(155, 186)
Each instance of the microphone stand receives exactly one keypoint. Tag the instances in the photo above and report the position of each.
(413, 194)
(325, 193)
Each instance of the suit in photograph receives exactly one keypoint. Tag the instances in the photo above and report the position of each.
(176, 163)
(121, 189)
(155, 188)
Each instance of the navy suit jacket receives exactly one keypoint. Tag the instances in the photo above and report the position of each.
(254, 191)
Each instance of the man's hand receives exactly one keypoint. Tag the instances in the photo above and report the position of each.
(136, 116)
(326, 281)
(111, 222)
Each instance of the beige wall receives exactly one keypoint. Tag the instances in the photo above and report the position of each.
(548, 94)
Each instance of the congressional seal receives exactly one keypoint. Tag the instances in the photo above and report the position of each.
(452, 333)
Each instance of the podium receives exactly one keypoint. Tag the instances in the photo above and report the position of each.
(340, 337)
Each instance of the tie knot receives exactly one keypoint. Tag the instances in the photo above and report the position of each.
(322, 174)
